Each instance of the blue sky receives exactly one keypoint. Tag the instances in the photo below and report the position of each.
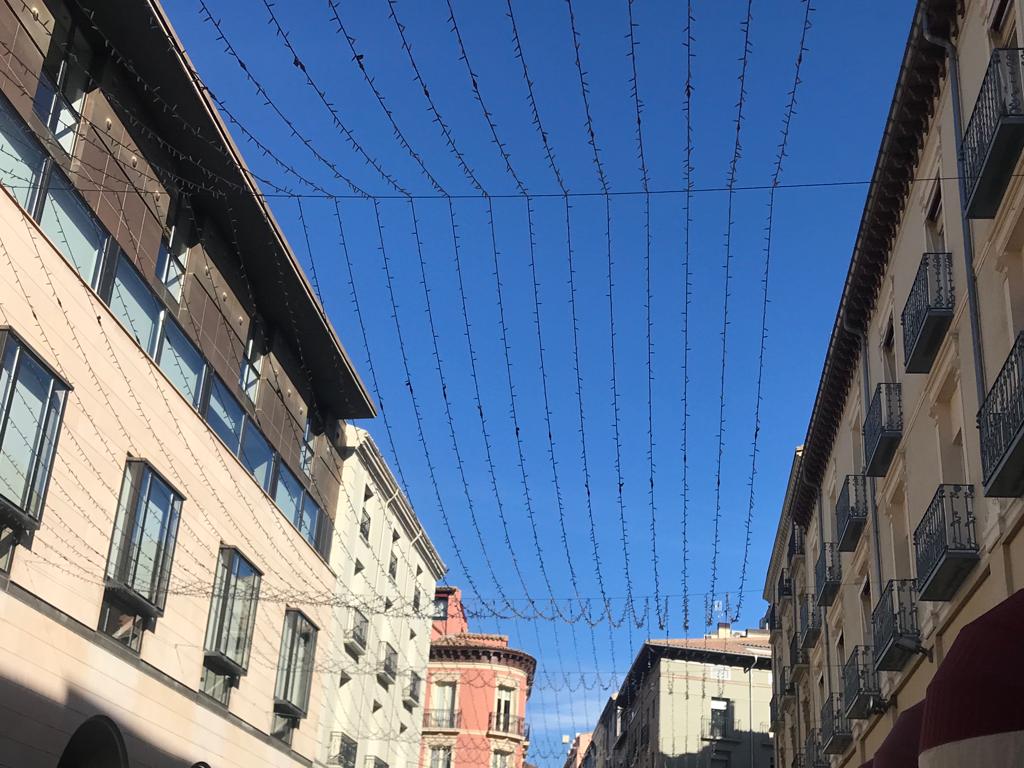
(848, 75)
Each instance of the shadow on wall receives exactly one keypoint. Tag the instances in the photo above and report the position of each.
(742, 749)
(39, 732)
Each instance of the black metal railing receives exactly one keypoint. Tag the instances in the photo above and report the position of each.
(1000, 96)
(441, 718)
(774, 618)
(389, 663)
(884, 423)
(503, 722)
(773, 710)
(810, 621)
(412, 690)
(813, 756)
(796, 543)
(932, 293)
(946, 528)
(358, 630)
(797, 653)
(860, 683)
(786, 685)
(894, 627)
(828, 575)
(836, 734)
(851, 511)
(1002, 414)
(785, 585)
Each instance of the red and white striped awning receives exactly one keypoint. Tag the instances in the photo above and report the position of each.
(974, 709)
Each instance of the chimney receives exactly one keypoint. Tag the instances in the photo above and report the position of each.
(724, 630)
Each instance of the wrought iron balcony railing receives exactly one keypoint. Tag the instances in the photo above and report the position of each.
(836, 734)
(387, 672)
(1001, 424)
(944, 542)
(861, 693)
(411, 696)
(774, 618)
(796, 544)
(828, 575)
(441, 719)
(883, 428)
(810, 622)
(797, 655)
(994, 135)
(813, 756)
(928, 311)
(851, 511)
(508, 724)
(787, 688)
(894, 627)
(773, 711)
(357, 633)
(785, 588)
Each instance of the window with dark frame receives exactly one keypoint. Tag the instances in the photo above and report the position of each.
(307, 450)
(343, 751)
(719, 721)
(172, 258)
(229, 628)
(934, 226)
(294, 672)
(252, 361)
(141, 553)
(63, 83)
(32, 401)
(440, 608)
(441, 757)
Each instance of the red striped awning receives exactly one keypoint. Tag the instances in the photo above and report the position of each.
(900, 748)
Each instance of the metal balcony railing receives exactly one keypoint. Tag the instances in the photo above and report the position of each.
(774, 618)
(785, 588)
(717, 728)
(810, 622)
(894, 626)
(357, 634)
(813, 756)
(928, 311)
(828, 575)
(787, 688)
(1001, 424)
(387, 673)
(861, 692)
(796, 544)
(836, 734)
(411, 696)
(444, 719)
(851, 511)
(797, 655)
(944, 542)
(883, 428)
(508, 724)
(993, 139)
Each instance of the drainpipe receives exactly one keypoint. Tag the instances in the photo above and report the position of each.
(965, 223)
(866, 396)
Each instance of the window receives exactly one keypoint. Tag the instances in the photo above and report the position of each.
(503, 709)
(440, 757)
(256, 455)
(501, 759)
(311, 523)
(8, 541)
(73, 228)
(1003, 30)
(358, 631)
(135, 305)
(719, 722)
(295, 666)
(288, 494)
(393, 566)
(934, 229)
(31, 408)
(442, 706)
(412, 690)
(252, 362)
(236, 589)
(179, 359)
(343, 750)
(225, 415)
(389, 664)
(62, 84)
(440, 608)
(173, 255)
(364, 526)
(308, 448)
(141, 552)
(416, 599)
(21, 157)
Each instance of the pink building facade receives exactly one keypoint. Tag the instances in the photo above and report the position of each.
(477, 688)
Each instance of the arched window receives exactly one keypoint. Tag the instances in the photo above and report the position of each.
(96, 744)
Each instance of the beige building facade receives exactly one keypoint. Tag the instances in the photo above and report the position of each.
(902, 515)
(690, 703)
(181, 501)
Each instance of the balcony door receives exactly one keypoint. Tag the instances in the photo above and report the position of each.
(443, 704)
(503, 710)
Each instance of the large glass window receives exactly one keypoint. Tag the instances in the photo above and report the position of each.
(307, 449)
(73, 228)
(173, 256)
(225, 415)
(288, 496)
(309, 522)
(252, 362)
(31, 407)
(135, 305)
(441, 757)
(257, 455)
(181, 361)
(295, 665)
(21, 157)
(343, 750)
(232, 613)
(62, 84)
(145, 531)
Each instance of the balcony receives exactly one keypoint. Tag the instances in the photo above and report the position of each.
(796, 545)
(836, 734)
(1001, 423)
(773, 711)
(411, 695)
(508, 725)
(883, 428)
(813, 756)
(861, 693)
(928, 311)
(787, 688)
(387, 672)
(785, 588)
(797, 655)
(851, 511)
(994, 135)
(774, 619)
(441, 720)
(810, 622)
(355, 635)
(718, 728)
(894, 625)
(828, 575)
(944, 543)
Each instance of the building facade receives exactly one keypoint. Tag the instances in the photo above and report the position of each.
(902, 517)
(578, 749)
(180, 498)
(690, 703)
(477, 691)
